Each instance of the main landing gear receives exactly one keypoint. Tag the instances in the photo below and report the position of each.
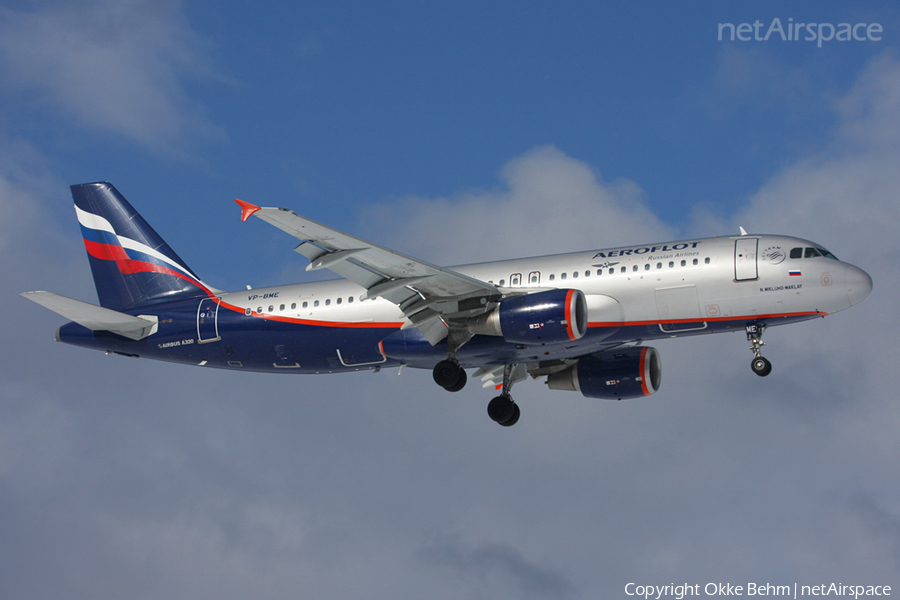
(450, 376)
(760, 365)
(502, 409)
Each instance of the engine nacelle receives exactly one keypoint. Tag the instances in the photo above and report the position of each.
(612, 375)
(539, 318)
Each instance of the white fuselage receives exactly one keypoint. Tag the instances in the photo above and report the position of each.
(711, 279)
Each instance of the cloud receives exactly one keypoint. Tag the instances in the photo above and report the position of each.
(499, 565)
(129, 478)
(769, 464)
(846, 190)
(547, 202)
(114, 67)
(869, 111)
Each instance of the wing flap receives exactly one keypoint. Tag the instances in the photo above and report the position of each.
(96, 318)
(492, 376)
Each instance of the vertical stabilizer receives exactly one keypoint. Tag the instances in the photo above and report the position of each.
(131, 264)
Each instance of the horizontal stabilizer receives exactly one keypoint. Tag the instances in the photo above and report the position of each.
(96, 318)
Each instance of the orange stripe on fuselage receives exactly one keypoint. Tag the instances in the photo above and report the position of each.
(312, 322)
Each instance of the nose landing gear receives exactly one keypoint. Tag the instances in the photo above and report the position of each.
(760, 365)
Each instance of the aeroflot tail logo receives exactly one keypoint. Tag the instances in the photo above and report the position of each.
(647, 249)
(102, 241)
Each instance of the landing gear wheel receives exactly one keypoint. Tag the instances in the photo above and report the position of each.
(460, 382)
(503, 410)
(761, 366)
(514, 418)
(449, 375)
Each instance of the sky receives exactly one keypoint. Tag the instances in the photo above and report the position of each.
(454, 132)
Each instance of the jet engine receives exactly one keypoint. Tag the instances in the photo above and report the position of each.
(539, 318)
(612, 375)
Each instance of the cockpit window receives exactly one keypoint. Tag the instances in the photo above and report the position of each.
(796, 252)
(814, 252)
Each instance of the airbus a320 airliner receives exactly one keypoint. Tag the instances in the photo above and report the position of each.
(580, 320)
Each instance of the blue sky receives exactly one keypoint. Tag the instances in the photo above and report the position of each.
(338, 106)
(454, 132)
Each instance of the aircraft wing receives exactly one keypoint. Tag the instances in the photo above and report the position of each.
(96, 318)
(428, 295)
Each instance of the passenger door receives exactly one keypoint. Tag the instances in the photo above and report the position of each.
(745, 256)
(208, 321)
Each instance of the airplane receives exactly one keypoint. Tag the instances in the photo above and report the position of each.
(579, 320)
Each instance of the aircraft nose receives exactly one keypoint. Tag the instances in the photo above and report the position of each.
(859, 284)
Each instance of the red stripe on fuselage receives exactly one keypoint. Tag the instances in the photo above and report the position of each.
(315, 323)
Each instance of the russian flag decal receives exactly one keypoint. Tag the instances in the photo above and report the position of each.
(794, 273)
